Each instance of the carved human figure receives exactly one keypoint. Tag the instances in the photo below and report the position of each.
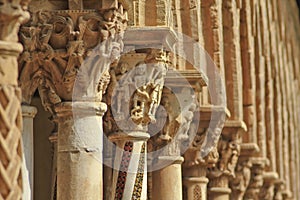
(230, 153)
(241, 180)
(165, 134)
(157, 82)
(184, 119)
(117, 87)
(140, 96)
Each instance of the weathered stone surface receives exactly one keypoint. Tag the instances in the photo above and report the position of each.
(12, 14)
(255, 48)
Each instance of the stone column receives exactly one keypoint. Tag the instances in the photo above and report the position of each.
(202, 153)
(79, 149)
(195, 181)
(130, 173)
(107, 170)
(12, 13)
(132, 107)
(256, 180)
(219, 189)
(28, 113)
(167, 182)
(229, 149)
(169, 143)
(72, 66)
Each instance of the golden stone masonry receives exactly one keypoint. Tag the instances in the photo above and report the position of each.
(149, 100)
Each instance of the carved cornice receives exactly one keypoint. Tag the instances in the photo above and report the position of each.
(56, 44)
(150, 37)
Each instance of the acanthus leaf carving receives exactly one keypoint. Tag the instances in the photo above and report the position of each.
(56, 45)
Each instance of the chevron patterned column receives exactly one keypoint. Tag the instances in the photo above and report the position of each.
(11, 15)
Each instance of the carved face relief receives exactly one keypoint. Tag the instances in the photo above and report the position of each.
(56, 48)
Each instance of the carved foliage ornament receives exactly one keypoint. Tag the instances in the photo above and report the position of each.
(58, 44)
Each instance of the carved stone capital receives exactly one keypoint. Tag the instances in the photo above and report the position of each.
(279, 190)
(267, 191)
(203, 149)
(67, 54)
(257, 178)
(240, 182)
(229, 150)
(176, 123)
(12, 14)
(135, 90)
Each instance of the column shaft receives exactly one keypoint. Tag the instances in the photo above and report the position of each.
(28, 113)
(12, 14)
(167, 182)
(196, 187)
(130, 166)
(79, 156)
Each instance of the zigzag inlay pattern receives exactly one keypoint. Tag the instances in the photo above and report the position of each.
(10, 144)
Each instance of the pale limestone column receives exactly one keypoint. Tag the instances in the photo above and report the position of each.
(166, 182)
(12, 14)
(79, 150)
(28, 113)
(196, 187)
(107, 170)
(195, 181)
(130, 166)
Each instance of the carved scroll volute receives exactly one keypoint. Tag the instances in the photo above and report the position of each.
(59, 46)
